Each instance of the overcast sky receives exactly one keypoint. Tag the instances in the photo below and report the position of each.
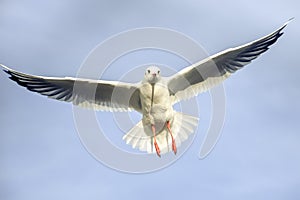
(258, 154)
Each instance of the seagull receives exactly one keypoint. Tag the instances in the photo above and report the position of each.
(161, 129)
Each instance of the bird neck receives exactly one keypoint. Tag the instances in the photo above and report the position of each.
(152, 96)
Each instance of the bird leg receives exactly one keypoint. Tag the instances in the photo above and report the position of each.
(174, 148)
(155, 143)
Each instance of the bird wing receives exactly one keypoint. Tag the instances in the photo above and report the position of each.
(211, 71)
(97, 94)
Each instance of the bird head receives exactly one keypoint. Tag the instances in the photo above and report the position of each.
(152, 74)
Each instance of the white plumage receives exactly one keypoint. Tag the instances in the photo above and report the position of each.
(161, 129)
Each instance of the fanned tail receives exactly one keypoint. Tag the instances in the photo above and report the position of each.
(182, 127)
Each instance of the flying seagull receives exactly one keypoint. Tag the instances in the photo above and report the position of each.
(161, 129)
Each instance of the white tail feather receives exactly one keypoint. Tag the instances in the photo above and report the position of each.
(182, 127)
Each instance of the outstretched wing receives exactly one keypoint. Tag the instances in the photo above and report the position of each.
(211, 71)
(96, 94)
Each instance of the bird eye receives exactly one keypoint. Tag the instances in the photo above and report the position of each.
(148, 71)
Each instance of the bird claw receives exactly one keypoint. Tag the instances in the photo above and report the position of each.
(174, 148)
(157, 149)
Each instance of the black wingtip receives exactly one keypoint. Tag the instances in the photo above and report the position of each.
(5, 69)
(286, 23)
(279, 32)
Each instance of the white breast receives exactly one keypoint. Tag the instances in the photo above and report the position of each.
(157, 107)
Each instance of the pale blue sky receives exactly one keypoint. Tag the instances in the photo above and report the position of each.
(258, 155)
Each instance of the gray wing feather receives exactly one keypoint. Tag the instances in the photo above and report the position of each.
(96, 94)
(211, 71)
